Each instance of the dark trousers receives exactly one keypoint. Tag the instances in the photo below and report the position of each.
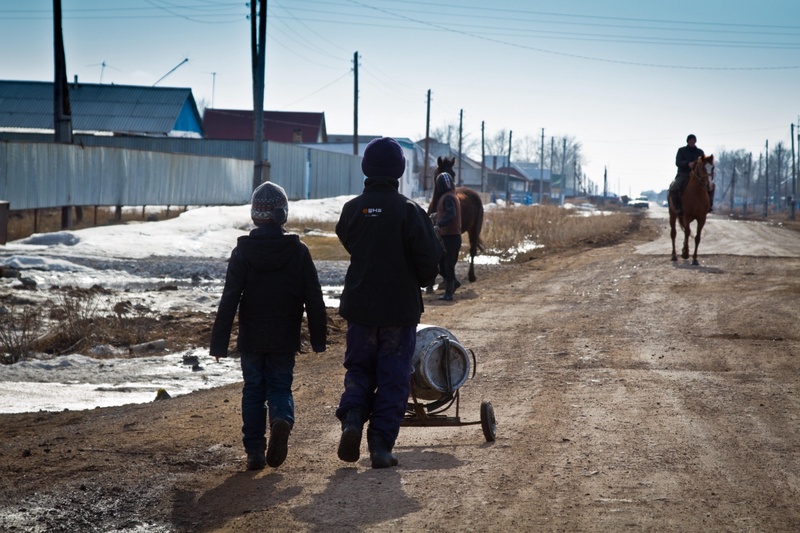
(447, 264)
(377, 378)
(267, 391)
(678, 184)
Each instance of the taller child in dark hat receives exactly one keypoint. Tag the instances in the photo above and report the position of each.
(393, 252)
(271, 280)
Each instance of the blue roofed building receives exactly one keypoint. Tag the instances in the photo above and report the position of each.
(120, 110)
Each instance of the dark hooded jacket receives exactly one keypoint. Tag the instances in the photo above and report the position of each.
(687, 154)
(271, 279)
(393, 252)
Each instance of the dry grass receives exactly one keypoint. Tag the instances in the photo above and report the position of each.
(506, 229)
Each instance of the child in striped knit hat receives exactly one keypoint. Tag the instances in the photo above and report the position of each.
(271, 280)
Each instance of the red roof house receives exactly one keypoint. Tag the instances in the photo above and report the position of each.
(279, 126)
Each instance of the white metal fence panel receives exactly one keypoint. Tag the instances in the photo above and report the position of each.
(37, 175)
(334, 174)
(40, 175)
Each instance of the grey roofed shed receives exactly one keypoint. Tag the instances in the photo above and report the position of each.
(120, 109)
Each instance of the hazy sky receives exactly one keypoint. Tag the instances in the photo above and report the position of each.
(627, 79)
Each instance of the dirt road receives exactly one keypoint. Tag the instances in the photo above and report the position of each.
(631, 394)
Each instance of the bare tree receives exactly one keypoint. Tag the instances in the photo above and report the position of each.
(528, 149)
(731, 174)
(448, 133)
(497, 144)
(563, 151)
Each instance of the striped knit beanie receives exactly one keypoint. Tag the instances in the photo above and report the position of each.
(444, 182)
(269, 204)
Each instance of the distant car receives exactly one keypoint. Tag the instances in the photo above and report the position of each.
(640, 202)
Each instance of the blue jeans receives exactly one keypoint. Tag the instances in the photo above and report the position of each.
(377, 378)
(267, 385)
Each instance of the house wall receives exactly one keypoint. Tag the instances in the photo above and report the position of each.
(187, 121)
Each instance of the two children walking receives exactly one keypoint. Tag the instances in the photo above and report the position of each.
(271, 278)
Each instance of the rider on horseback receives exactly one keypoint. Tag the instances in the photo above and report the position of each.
(685, 160)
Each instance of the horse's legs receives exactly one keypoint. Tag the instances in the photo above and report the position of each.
(700, 224)
(687, 232)
(673, 233)
(473, 251)
(471, 274)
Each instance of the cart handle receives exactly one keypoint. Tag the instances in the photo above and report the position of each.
(474, 362)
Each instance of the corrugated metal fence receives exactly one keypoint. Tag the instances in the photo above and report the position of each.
(36, 175)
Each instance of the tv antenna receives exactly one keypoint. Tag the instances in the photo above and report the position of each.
(213, 86)
(102, 66)
(176, 67)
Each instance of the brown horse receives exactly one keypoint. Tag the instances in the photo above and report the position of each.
(471, 211)
(695, 203)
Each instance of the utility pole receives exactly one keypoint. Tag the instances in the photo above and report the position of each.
(541, 170)
(778, 171)
(483, 158)
(574, 175)
(427, 144)
(605, 184)
(460, 180)
(563, 170)
(793, 197)
(733, 184)
(747, 182)
(62, 114)
(508, 172)
(766, 182)
(355, 103)
(258, 46)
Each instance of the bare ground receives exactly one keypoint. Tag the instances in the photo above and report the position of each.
(630, 393)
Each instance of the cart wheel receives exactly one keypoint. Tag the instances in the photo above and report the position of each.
(488, 422)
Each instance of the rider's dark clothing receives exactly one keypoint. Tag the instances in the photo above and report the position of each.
(686, 154)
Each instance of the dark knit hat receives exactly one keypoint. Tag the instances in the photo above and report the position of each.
(269, 204)
(444, 182)
(383, 157)
(691, 136)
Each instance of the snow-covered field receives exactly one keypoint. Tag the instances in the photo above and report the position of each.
(188, 252)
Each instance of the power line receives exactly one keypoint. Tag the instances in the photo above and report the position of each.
(441, 27)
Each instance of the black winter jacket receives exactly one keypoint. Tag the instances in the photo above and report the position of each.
(687, 154)
(393, 252)
(271, 278)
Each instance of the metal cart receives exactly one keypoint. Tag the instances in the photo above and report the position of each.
(441, 366)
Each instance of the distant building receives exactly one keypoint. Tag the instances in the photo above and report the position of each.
(409, 181)
(279, 126)
(536, 179)
(120, 110)
(469, 173)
